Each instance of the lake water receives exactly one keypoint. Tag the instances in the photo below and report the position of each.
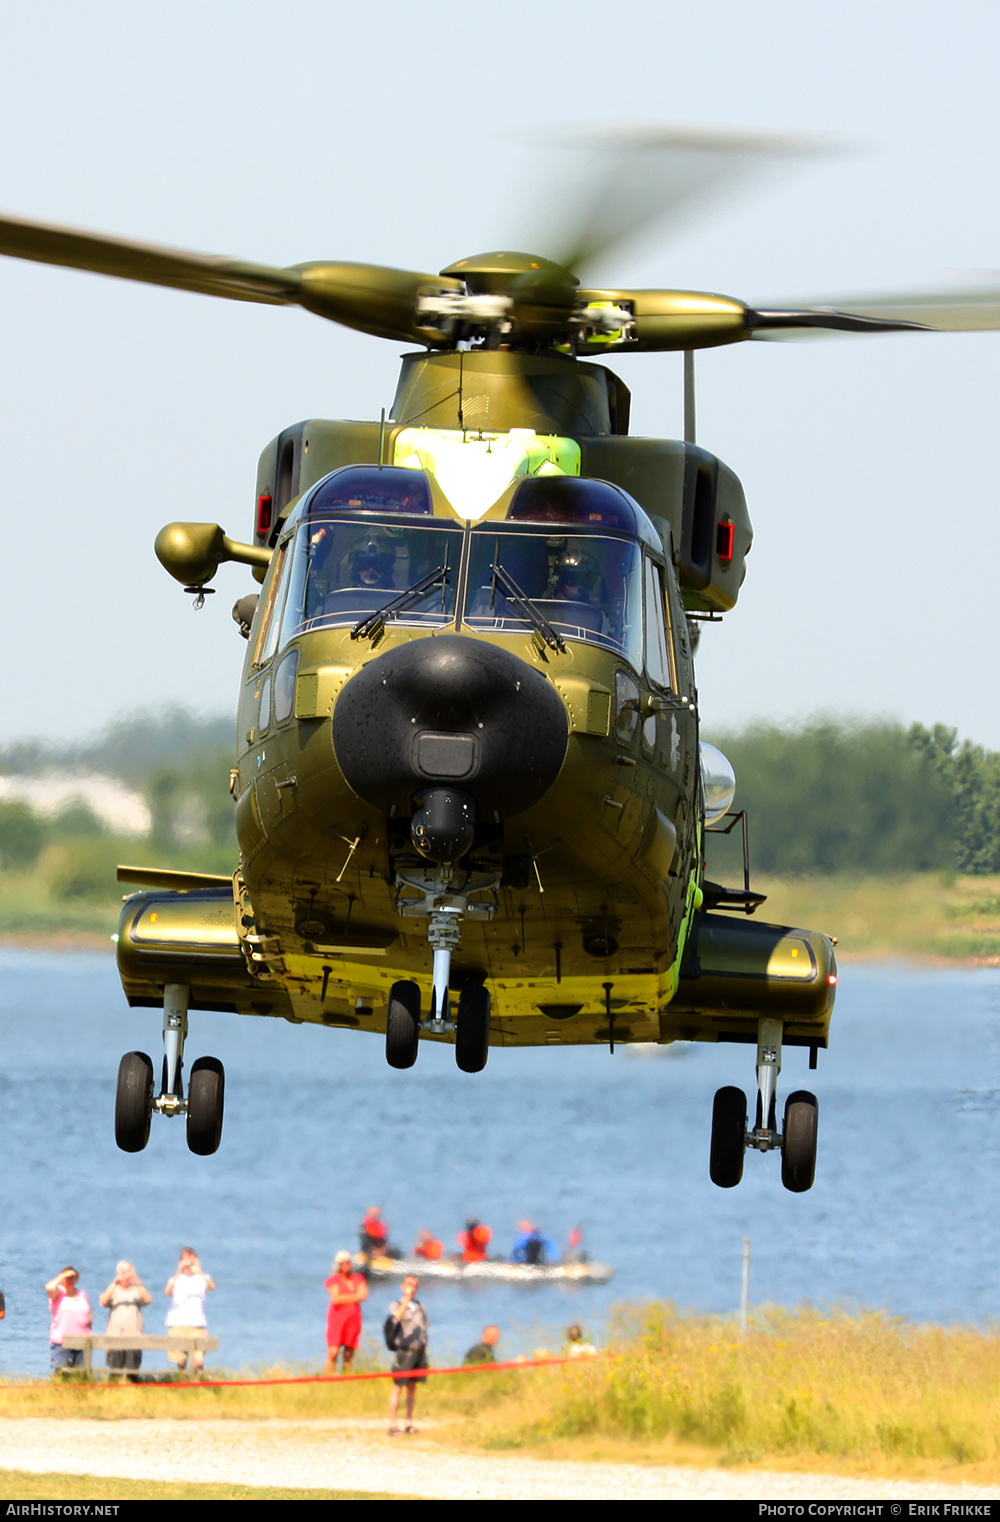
(902, 1216)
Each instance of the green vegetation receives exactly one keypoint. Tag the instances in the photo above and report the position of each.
(887, 837)
(862, 1393)
(23, 1485)
(878, 799)
(859, 1393)
(926, 916)
(58, 874)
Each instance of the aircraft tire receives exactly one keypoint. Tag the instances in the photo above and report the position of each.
(472, 1029)
(206, 1098)
(133, 1101)
(798, 1149)
(402, 1025)
(729, 1127)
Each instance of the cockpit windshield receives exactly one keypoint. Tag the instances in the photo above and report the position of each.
(586, 586)
(343, 572)
(367, 549)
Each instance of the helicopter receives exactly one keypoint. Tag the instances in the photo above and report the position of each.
(471, 802)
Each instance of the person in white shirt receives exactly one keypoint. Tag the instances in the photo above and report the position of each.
(187, 1290)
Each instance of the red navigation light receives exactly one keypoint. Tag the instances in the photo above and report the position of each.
(725, 535)
(264, 505)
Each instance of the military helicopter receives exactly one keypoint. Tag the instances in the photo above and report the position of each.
(470, 798)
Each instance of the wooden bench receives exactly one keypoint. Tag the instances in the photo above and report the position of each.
(105, 1341)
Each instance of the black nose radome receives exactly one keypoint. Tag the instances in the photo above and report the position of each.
(450, 710)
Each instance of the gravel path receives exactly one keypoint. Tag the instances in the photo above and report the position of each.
(358, 1455)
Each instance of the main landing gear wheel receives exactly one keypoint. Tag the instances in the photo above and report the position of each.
(133, 1101)
(729, 1133)
(402, 1025)
(206, 1095)
(798, 1151)
(472, 1029)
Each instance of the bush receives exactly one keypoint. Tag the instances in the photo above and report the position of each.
(22, 834)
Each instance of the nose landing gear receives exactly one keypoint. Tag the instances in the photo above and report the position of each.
(135, 1100)
(402, 1025)
(445, 897)
(797, 1138)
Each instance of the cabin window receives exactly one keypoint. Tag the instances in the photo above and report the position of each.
(284, 687)
(342, 572)
(626, 707)
(586, 586)
(264, 713)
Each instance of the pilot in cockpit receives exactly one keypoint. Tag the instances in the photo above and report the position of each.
(372, 564)
(340, 582)
(575, 577)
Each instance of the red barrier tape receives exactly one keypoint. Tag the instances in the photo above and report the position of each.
(318, 1379)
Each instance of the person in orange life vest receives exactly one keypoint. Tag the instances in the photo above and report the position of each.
(428, 1247)
(474, 1241)
(373, 1233)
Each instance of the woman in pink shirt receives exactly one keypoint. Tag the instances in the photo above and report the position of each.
(70, 1312)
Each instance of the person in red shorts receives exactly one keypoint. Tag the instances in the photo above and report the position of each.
(347, 1290)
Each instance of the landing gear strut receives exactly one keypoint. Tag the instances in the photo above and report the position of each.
(135, 1100)
(445, 898)
(797, 1138)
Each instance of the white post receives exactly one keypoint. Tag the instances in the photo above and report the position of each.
(745, 1294)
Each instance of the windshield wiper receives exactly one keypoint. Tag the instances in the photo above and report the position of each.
(521, 600)
(372, 625)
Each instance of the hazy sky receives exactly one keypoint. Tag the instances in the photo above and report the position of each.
(308, 129)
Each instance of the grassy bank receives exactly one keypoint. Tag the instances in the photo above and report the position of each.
(70, 894)
(25, 1485)
(926, 916)
(861, 1394)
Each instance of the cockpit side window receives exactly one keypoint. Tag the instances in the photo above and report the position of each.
(659, 662)
(268, 632)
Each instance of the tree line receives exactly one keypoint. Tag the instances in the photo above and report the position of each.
(180, 764)
(837, 796)
(830, 796)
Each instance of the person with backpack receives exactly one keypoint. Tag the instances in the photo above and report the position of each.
(405, 1333)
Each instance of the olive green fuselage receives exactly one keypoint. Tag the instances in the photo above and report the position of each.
(591, 899)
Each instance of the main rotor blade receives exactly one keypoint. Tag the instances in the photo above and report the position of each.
(630, 178)
(962, 309)
(105, 255)
(365, 296)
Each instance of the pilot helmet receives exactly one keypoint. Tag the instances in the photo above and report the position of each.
(371, 562)
(576, 568)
